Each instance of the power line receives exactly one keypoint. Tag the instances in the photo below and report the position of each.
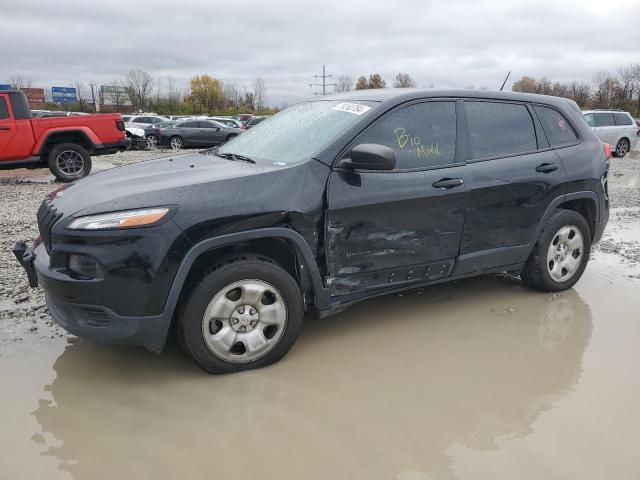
(324, 83)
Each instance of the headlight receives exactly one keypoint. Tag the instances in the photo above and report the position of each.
(124, 219)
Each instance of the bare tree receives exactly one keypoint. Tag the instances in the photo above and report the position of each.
(404, 80)
(230, 95)
(173, 95)
(139, 86)
(344, 83)
(580, 93)
(81, 93)
(19, 82)
(259, 93)
(376, 81)
(628, 81)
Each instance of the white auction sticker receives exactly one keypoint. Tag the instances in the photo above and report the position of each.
(352, 108)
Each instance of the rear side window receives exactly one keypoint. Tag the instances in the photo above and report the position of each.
(622, 119)
(189, 125)
(422, 135)
(4, 113)
(500, 129)
(558, 129)
(603, 119)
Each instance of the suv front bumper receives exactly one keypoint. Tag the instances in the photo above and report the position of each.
(93, 322)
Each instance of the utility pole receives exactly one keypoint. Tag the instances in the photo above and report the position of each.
(324, 83)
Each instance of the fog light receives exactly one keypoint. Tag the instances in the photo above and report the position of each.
(83, 267)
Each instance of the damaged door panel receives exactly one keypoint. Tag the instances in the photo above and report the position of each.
(386, 223)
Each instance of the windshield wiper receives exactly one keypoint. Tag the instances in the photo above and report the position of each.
(235, 156)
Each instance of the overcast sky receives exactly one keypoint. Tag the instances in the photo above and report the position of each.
(450, 44)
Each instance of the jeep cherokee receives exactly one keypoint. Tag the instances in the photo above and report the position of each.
(325, 204)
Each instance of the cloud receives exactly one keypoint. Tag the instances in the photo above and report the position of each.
(448, 44)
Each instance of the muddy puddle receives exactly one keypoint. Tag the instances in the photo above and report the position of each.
(477, 379)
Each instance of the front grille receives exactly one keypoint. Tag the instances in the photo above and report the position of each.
(47, 216)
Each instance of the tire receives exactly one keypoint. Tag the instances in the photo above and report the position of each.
(152, 140)
(622, 148)
(216, 329)
(176, 143)
(69, 162)
(555, 253)
(233, 135)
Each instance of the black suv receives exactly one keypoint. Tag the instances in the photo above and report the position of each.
(321, 206)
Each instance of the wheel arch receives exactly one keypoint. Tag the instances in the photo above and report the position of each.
(580, 202)
(283, 246)
(81, 137)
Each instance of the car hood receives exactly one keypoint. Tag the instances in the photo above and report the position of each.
(165, 181)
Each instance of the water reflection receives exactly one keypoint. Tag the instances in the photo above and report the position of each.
(380, 391)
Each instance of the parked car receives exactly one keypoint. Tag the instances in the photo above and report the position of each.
(196, 133)
(152, 132)
(252, 122)
(331, 202)
(145, 119)
(65, 144)
(614, 127)
(242, 117)
(227, 121)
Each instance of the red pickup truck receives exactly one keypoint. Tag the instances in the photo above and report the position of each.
(65, 143)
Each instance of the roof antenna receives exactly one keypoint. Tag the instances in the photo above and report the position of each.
(505, 80)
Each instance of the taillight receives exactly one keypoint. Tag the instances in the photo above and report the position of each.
(120, 125)
(607, 149)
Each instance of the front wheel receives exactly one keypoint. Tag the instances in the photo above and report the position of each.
(622, 147)
(176, 143)
(560, 255)
(231, 137)
(242, 315)
(69, 162)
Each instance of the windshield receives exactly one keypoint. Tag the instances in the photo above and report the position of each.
(297, 133)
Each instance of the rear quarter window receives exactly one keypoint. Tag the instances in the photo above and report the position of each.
(499, 129)
(556, 126)
(622, 119)
(604, 119)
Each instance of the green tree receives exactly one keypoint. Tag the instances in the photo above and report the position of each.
(206, 92)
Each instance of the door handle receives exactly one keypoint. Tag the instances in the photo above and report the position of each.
(5, 128)
(448, 183)
(546, 168)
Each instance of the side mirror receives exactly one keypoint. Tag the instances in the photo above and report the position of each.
(370, 156)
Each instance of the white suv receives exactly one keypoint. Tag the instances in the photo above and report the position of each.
(614, 127)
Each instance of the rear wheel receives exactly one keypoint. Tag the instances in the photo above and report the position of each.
(69, 162)
(176, 143)
(242, 315)
(560, 256)
(622, 147)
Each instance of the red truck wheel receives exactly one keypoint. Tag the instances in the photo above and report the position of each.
(69, 162)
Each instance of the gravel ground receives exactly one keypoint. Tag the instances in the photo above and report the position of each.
(23, 312)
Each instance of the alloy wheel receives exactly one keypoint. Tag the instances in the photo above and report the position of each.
(70, 162)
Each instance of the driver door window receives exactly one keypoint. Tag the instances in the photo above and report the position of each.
(422, 135)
